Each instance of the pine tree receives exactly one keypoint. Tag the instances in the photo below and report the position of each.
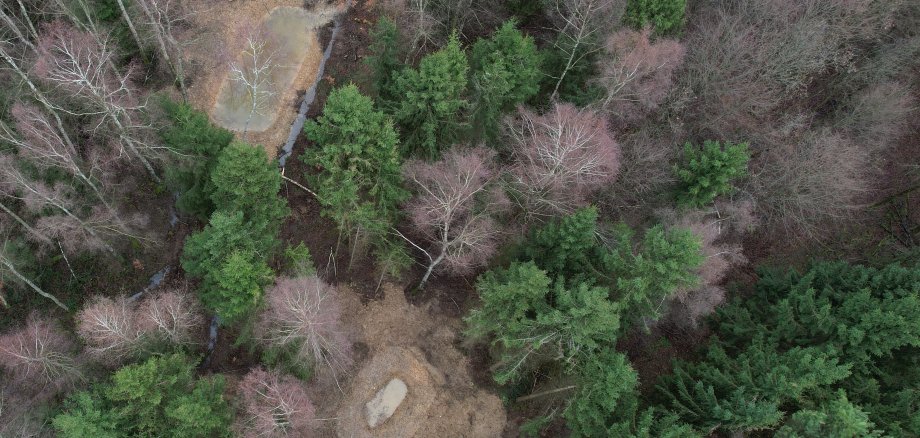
(431, 99)
(384, 60)
(190, 133)
(359, 183)
(710, 171)
(505, 73)
(245, 180)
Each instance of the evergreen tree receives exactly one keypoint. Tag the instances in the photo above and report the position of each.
(245, 180)
(838, 418)
(665, 16)
(531, 321)
(359, 183)
(606, 388)
(160, 397)
(505, 73)
(384, 60)
(190, 133)
(710, 171)
(430, 100)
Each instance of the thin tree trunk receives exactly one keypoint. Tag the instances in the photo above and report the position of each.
(25, 280)
(24, 223)
(25, 16)
(124, 14)
(15, 29)
(544, 393)
(160, 32)
(434, 264)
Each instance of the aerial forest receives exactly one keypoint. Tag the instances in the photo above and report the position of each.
(460, 218)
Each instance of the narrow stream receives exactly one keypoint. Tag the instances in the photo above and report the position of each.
(310, 95)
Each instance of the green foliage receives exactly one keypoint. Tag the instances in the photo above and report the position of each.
(384, 60)
(245, 180)
(234, 290)
(529, 319)
(190, 133)
(802, 337)
(569, 247)
(605, 381)
(505, 73)
(299, 261)
(710, 171)
(665, 16)
(839, 418)
(666, 261)
(159, 397)
(746, 392)
(286, 358)
(430, 99)
(579, 86)
(360, 181)
(230, 260)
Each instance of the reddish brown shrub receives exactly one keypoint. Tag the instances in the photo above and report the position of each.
(274, 406)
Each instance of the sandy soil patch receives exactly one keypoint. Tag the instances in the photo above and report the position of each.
(215, 23)
(418, 346)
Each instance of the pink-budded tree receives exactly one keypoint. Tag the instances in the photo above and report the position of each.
(560, 158)
(274, 405)
(454, 209)
(305, 313)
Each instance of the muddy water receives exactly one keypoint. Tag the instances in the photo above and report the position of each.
(291, 36)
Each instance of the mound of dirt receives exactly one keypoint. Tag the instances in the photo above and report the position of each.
(413, 344)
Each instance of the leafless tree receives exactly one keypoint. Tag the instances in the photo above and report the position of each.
(560, 158)
(274, 405)
(252, 70)
(304, 312)
(9, 268)
(39, 352)
(172, 315)
(579, 24)
(36, 195)
(454, 209)
(162, 18)
(43, 145)
(108, 327)
(637, 72)
(822, 178)
(79, 64)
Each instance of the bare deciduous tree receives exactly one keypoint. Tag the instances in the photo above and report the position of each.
(454, 209)
(274, 405)
(579, 24)
(304, 312)
(637, 74)
(171, 315)
(252, 70)
(43, 145)
(163, 16)
(561, 157)
(109, 330)
(38, 352)
(79, 64)
(9, 268)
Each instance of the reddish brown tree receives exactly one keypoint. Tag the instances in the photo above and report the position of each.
(274, 405)
(39, 352)
(454, 209)
(561, 157)
(304, 313)
(637, 73)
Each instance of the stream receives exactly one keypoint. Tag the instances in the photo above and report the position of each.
(310, 95)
